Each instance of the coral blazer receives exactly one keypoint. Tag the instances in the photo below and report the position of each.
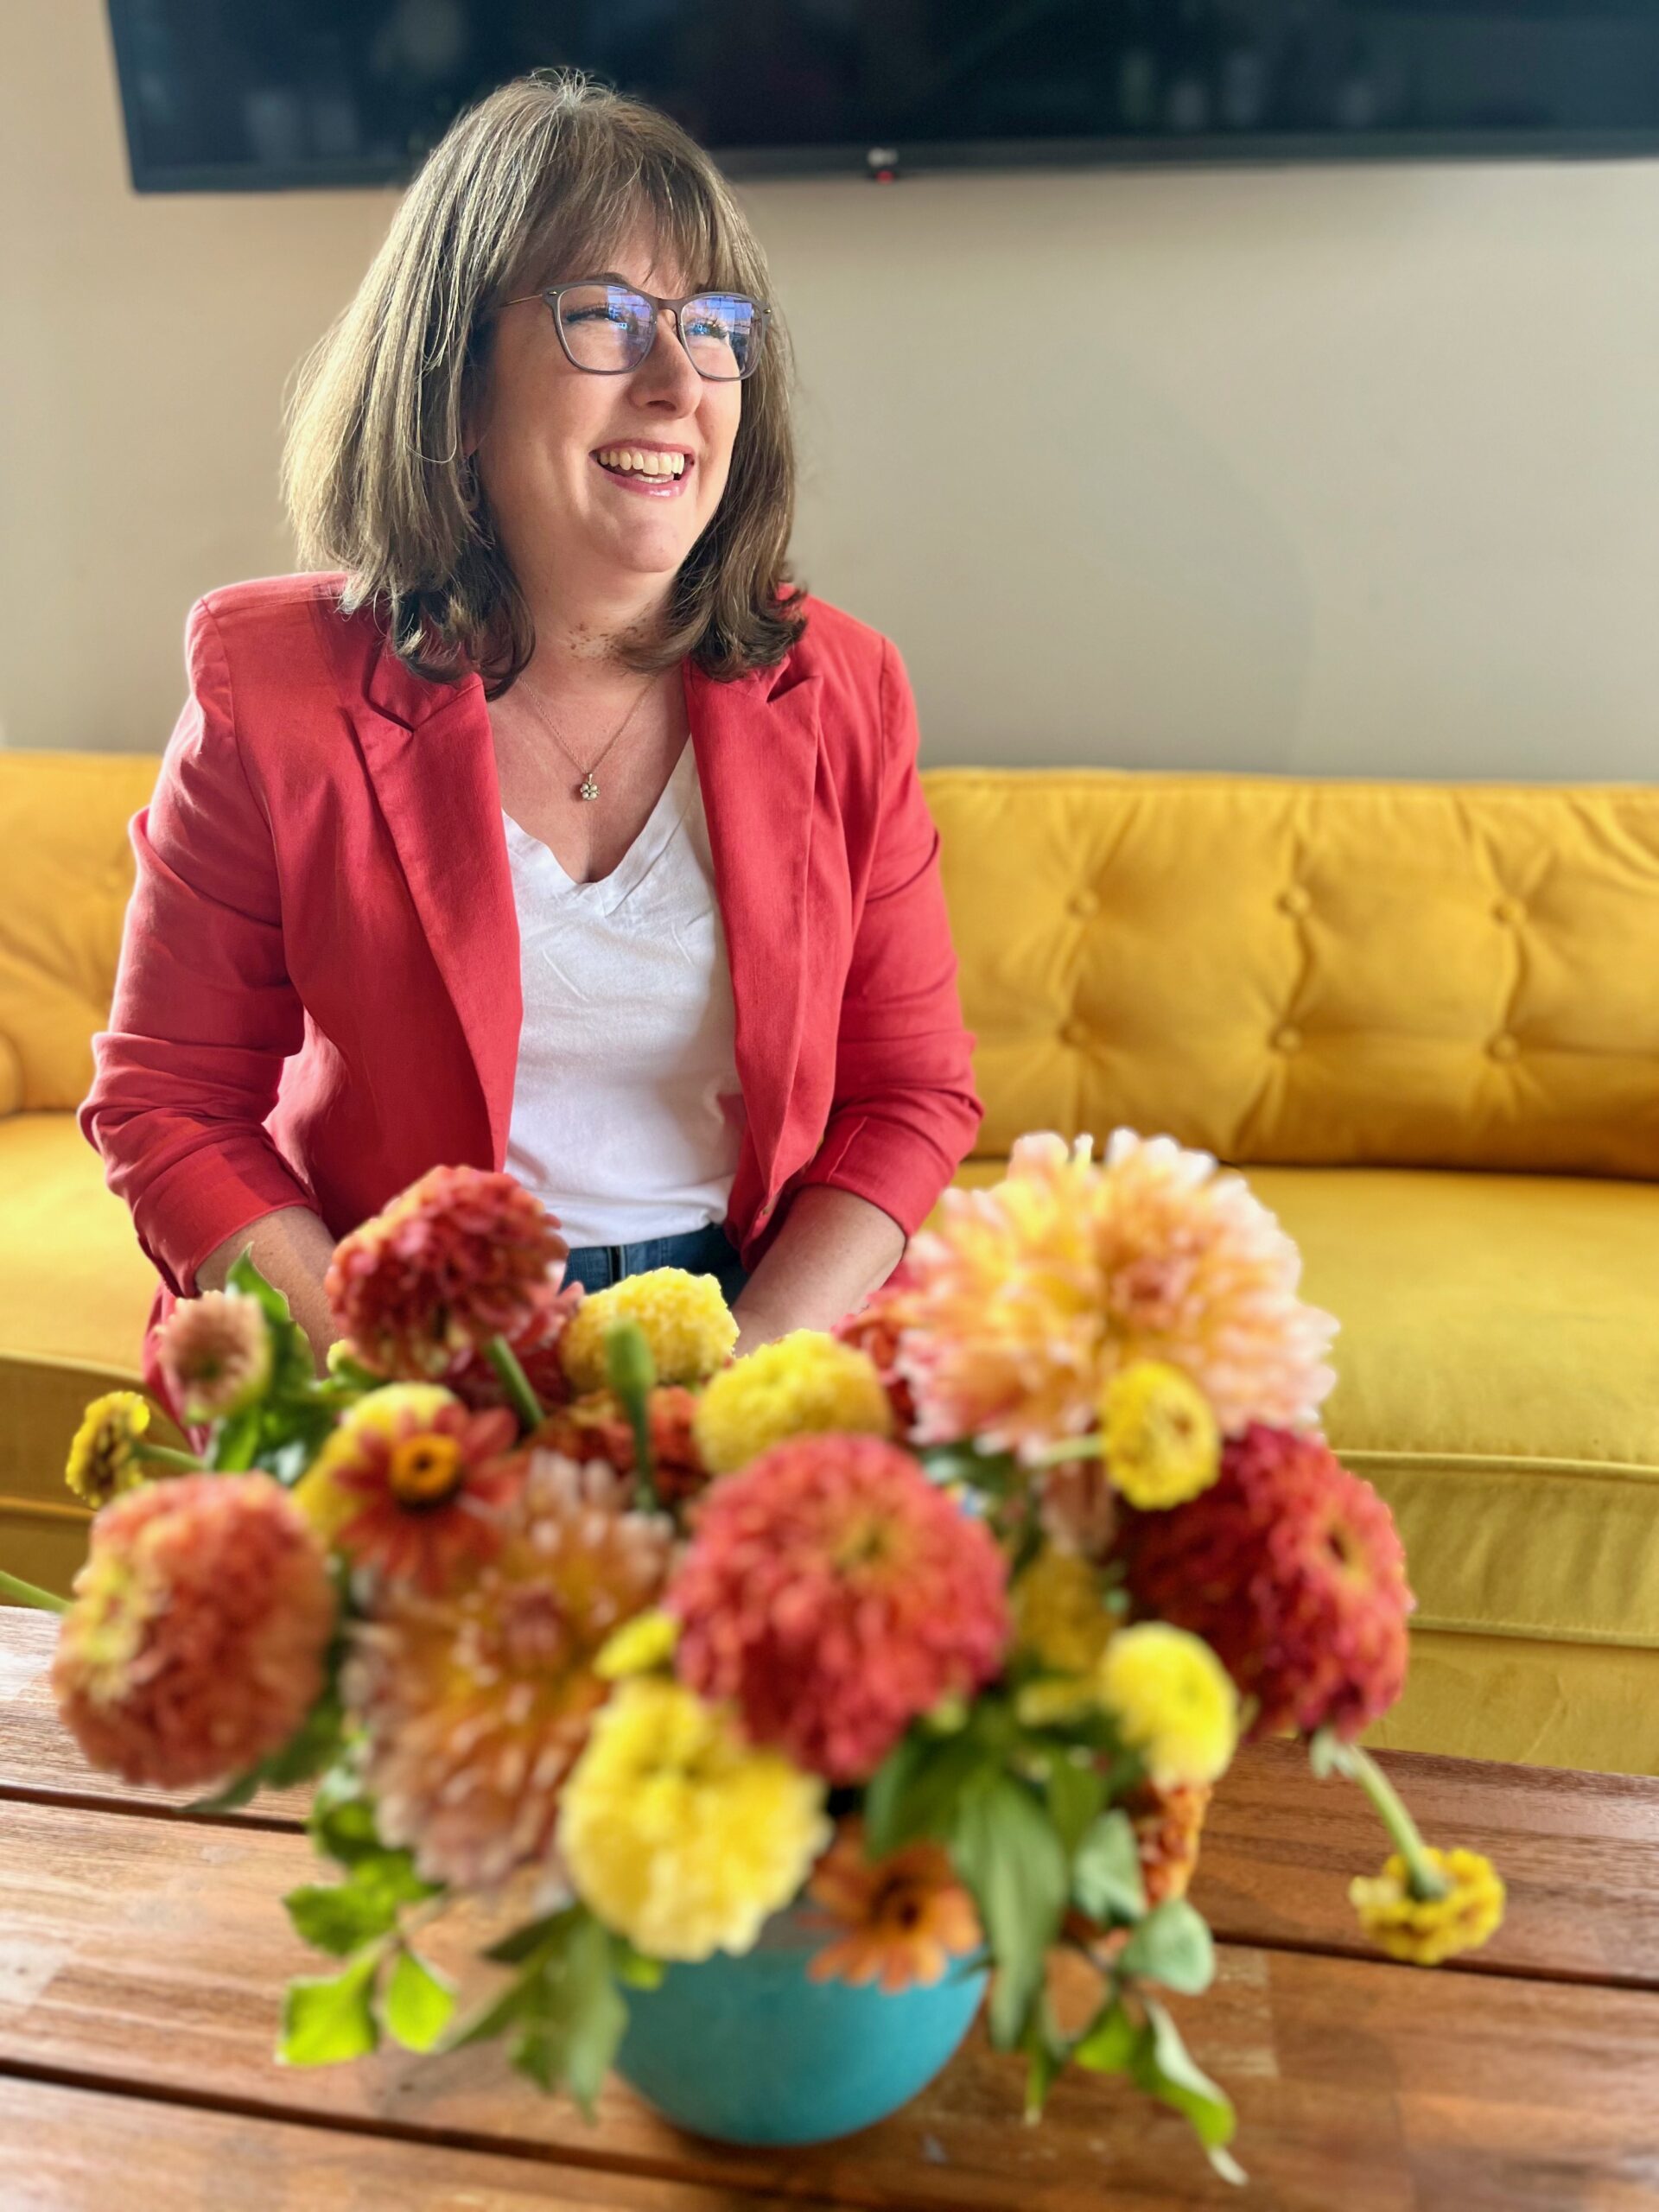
(318, 997)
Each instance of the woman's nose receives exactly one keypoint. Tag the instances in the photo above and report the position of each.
(666, 373)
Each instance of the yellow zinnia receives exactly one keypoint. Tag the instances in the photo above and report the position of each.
(1173, 1702)
(1058, 1615)
(103, 1457)
(683, 1318)
(638, 1647)
(325, 1505)
(804, 1384)
(1161, 1444)
(675, 1833)
(1422, 1931)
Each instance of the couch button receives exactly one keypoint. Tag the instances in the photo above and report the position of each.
(1287, 1039)
(1086, 905)
(1074, 1035)
(1295, 902)
(1510, 912)
(1504, 1047)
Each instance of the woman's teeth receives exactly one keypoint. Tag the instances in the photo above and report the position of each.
(624, 459)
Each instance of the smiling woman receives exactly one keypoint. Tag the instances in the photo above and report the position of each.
(546, 824)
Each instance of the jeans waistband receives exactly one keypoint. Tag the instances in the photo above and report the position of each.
(706, 1251)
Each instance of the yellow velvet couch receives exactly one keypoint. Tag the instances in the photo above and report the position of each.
(1424, 1018)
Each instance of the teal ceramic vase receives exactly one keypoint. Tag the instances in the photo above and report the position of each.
(749, 2051)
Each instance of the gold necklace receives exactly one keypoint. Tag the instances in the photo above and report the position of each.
(589, 787)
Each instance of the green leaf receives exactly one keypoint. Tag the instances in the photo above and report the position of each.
(635, 1969)
(1106, 1879)
(545, 1934)
(341, 1822)
(1006, 1851)
(1171, 1945)
(232, 1797)
(1164, 2067)
(1045, 2053)
(235, 1442)
(316, 1746)
(416, 2002)
(1077, 1790)
(339, 1917)
(1109, 2043)
(919, 1788)
(595, 2014)
(324, 2022)
(244, 1276)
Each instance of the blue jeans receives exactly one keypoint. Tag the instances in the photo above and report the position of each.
(701, 1252)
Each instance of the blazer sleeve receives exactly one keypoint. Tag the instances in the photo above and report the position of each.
(905, 1114)
(204, 1013)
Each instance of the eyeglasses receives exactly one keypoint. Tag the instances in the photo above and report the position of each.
(607, 328)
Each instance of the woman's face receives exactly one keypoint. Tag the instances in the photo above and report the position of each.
(566, 521)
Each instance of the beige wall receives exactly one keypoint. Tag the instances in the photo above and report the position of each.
(1338, 470)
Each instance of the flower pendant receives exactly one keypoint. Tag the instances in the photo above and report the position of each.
(588, 788)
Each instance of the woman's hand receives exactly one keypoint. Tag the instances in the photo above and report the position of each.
(832, 1250)
(291, 1248)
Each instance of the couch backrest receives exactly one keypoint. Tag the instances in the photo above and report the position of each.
(1279, 971)
(1284, 971)
(66, 874)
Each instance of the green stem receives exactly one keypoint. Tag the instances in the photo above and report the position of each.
(1071, 1448)
(163, 1455)
(516, 1384)
(631, 1373)
(29, 1593)
(1423, 1878)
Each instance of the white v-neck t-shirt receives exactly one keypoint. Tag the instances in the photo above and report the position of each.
(626, 1113)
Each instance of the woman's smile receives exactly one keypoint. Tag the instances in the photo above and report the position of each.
(645, 469)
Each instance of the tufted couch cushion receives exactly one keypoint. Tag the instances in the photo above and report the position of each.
(64, 886)
(1354, 974)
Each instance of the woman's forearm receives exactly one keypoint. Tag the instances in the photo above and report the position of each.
(831, 1252)
(291, 1248)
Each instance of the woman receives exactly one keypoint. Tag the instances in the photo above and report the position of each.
(548, 828)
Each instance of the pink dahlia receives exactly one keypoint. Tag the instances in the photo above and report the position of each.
(195, 1648)
(1030, 1296)
(477, 1703)
(215, 1353)
(1290, 1569)
(459, 1257)
(836, 1595)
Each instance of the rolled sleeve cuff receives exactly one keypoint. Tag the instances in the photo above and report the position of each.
(893, 1167)
(188, 1211)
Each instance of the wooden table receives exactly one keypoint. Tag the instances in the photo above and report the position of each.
(143, 1953)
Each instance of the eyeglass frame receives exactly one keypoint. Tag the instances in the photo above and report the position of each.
(554, 293)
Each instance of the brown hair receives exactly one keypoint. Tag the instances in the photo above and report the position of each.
(543, 177)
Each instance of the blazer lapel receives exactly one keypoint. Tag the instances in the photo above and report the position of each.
(430, 753)
(757, 753)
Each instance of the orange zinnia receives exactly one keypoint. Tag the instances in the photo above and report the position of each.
(904, 1916)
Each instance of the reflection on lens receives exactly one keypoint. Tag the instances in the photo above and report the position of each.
(609, 327)
(718, 332)
(606, 326)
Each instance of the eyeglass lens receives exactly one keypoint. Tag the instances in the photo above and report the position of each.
(610, 328)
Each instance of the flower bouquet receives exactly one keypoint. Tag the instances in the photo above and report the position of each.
(882, 1669)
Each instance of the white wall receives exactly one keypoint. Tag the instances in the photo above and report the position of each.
(1352, 470)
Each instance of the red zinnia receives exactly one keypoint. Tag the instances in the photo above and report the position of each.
(1290, 1569)
(836, 1595)
(595, 1426)
(875, 1331)
(459, 1257)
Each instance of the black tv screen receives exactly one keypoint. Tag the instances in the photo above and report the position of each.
(264, 94)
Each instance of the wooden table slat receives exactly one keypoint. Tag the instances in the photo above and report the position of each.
(152, 1952)
(76, 2139)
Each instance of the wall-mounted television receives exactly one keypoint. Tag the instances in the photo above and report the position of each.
(261, 94)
